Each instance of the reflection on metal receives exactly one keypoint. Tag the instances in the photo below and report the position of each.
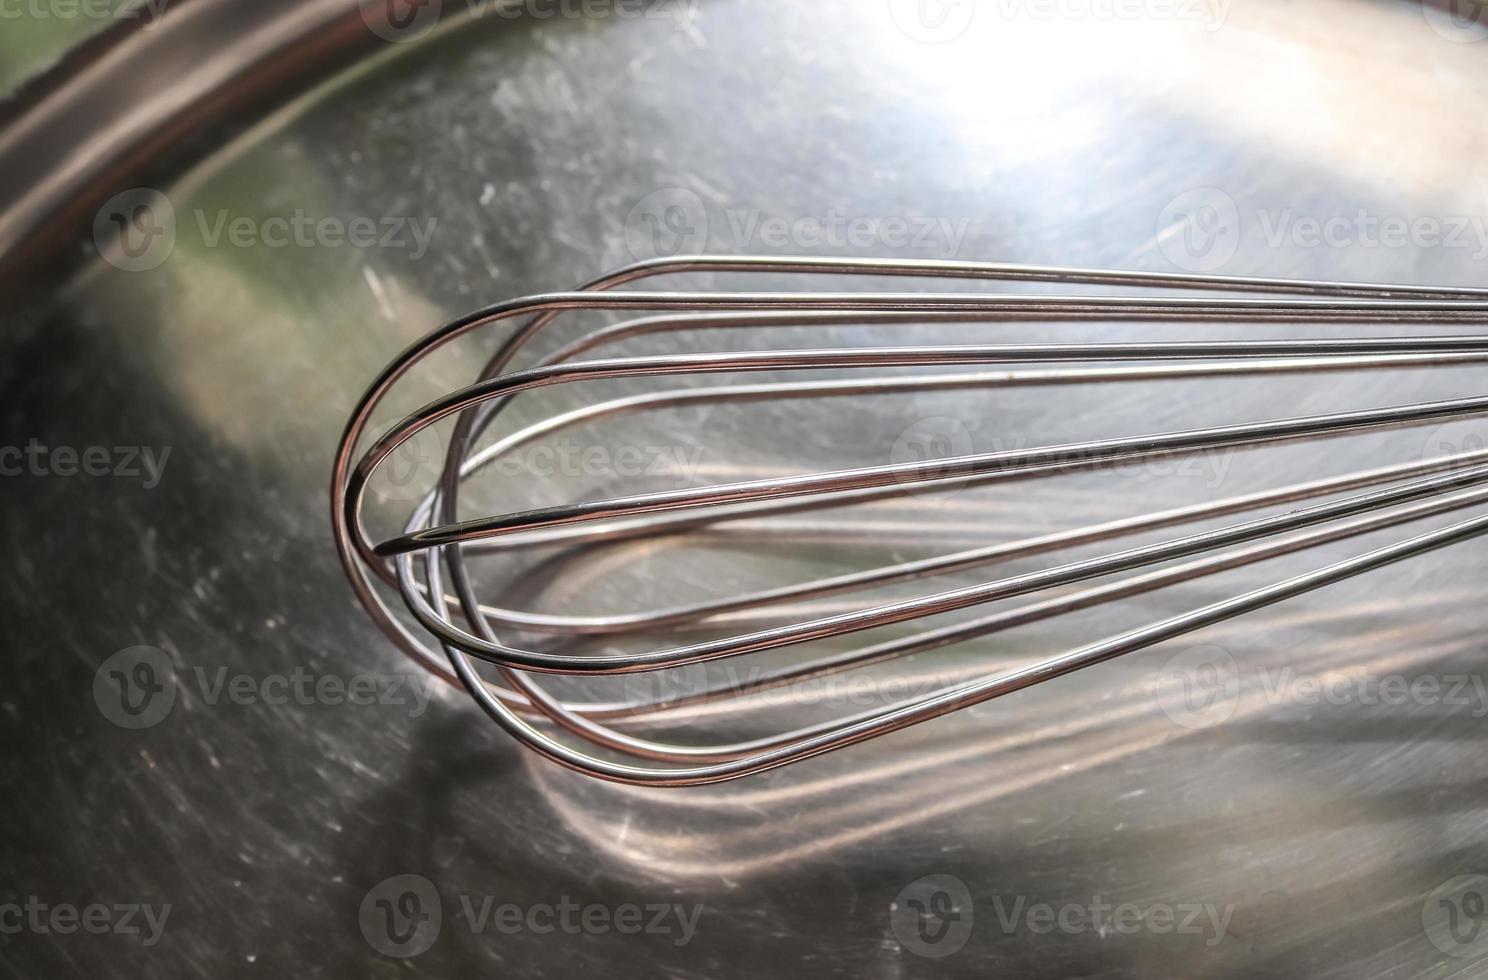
(588, 735)
(119, 109)
(926, 781)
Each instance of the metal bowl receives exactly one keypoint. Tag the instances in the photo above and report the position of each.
(220, 221)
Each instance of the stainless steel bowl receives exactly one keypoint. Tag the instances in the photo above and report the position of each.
(1079, 829)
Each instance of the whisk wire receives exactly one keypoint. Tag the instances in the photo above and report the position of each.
(435, 543)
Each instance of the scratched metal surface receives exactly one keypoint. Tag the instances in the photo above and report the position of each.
(1286, 835)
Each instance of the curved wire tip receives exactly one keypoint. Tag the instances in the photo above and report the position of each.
(446, 627)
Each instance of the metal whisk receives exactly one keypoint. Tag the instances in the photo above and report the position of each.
(427, 562)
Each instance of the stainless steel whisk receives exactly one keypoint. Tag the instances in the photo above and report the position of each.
(607, 739)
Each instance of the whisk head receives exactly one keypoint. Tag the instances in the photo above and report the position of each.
(831, 619)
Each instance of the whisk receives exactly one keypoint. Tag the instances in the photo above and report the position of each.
(451, 627)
